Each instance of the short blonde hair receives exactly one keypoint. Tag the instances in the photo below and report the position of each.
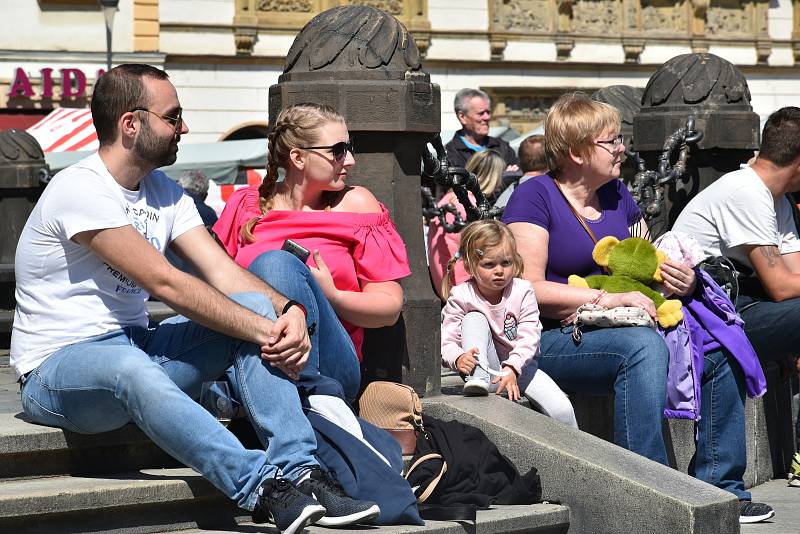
(572, 124)
(476, 238)
(488, 167)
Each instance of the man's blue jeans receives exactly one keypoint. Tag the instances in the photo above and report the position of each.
(772, 327)
(721, 455)
(151, 376)
(632, 364)
(332, 352)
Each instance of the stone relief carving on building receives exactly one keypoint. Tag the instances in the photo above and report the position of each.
(596, 16)
(664, 17)
(522, 15)
(728, 17)
(395, 7)
(285, 6)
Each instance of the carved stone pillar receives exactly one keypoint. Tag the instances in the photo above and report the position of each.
(23, 173)
(715, 92)
(364, 63)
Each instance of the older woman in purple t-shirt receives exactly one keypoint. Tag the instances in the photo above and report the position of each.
(584, 151)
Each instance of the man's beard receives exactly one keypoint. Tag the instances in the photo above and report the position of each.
(154, 150)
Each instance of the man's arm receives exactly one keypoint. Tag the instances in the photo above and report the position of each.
(129, 252)
(212, 264)
(779, 274)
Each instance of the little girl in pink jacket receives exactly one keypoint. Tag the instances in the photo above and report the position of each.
(490, 324)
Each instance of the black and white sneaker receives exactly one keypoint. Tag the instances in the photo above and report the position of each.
(281, 503)
(340, 509)
(753, 512)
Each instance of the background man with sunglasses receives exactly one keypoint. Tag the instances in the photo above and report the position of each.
(88, 258)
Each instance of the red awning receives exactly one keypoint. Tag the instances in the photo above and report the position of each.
(65, 130)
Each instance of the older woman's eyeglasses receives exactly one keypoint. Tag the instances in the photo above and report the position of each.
(339, 150)
(175, 122)
(614, 143)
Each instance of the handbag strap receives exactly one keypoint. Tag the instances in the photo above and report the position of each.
(577, 215)
(437, 478)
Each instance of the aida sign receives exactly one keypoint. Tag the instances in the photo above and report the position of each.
(73, 83)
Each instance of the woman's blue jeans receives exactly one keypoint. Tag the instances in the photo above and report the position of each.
(629, 362)
(632, 364)
(332, 352)
(151, 376)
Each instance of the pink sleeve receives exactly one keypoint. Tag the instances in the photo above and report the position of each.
(442, 246)
(240, 208)
(380, 254)
(529, 333)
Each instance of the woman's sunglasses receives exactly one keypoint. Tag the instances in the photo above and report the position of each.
(339, 150)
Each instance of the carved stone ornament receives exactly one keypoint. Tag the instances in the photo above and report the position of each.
(524, 16)
(691, 79)
(353, 38)
(246, 39)
(564, 46)
(18, 147)
(394, 7)
(497, 47)
(596, 16)
(633, 48)
(285, 6)
(728, 17)
(627, 100)
(21, 159)
(664, 17)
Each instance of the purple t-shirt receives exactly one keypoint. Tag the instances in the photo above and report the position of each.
(569, 251)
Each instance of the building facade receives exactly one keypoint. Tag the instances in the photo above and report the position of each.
(223, 55)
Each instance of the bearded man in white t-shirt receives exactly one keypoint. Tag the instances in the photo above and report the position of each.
(746, 216)
(88, 258)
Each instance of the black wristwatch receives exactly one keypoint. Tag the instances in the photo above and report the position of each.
(291, 303)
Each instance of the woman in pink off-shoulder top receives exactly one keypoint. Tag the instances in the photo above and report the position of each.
(357, 255)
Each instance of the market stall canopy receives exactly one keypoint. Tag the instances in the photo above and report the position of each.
(65, 130)
(67, 135)
(220, 161)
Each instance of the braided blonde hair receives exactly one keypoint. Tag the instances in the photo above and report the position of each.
(295, 127)
(476, 238)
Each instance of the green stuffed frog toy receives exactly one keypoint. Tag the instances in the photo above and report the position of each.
(633, 264)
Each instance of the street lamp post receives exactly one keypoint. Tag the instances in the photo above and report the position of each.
(109, 9)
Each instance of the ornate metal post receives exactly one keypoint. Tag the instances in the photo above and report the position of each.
(365, 64)
(23, 175)
(715, 93)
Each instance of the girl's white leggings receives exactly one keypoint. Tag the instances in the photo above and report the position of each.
(534, 383)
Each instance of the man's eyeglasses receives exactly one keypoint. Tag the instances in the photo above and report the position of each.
(175, 122)
(613, 143)
(339, 150)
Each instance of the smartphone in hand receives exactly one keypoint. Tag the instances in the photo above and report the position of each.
(301, 253)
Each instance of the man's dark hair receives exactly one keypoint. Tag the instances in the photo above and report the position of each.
(118, 91)
(531, 154)
(780, 142)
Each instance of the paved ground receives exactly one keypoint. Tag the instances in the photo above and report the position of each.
(785, 500)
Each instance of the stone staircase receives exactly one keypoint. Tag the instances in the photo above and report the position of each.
(53, 481)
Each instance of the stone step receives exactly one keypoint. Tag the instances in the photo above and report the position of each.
(135, 502)
(162, 500)
(538, 519)
(27, 450)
